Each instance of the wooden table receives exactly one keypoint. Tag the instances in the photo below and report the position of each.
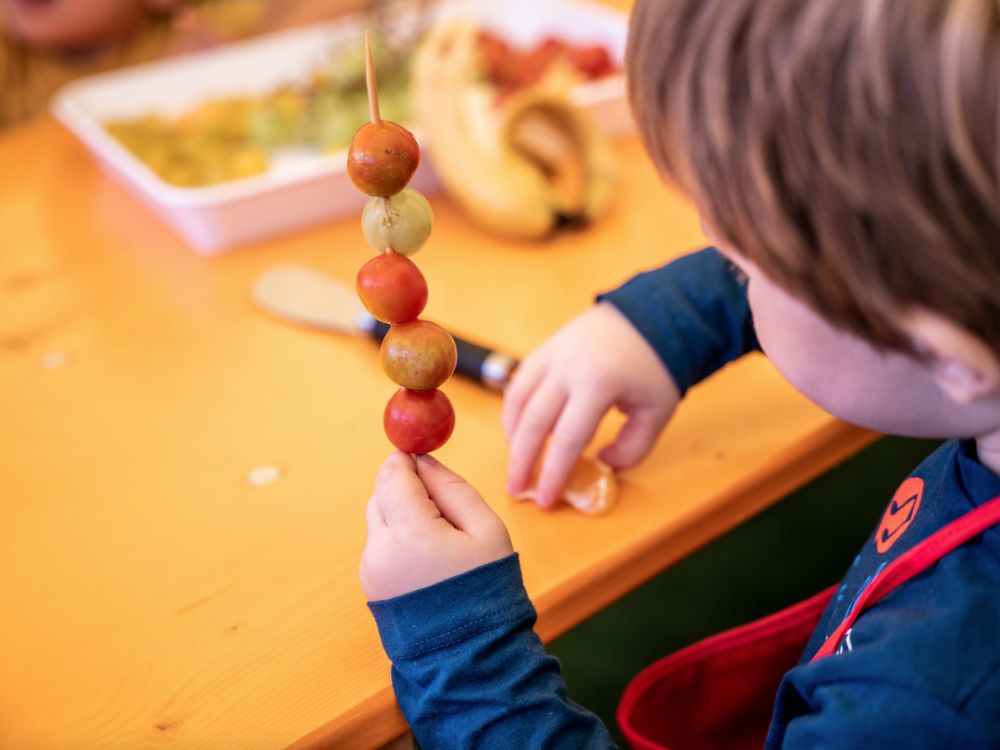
(151, 597)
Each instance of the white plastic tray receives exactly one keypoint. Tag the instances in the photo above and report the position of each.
(298, 189)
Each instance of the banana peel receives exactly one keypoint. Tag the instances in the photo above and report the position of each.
(519, 168)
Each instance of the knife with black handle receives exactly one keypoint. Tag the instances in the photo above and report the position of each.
(309, 297)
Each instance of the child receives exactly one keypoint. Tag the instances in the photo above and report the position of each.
(843, 155)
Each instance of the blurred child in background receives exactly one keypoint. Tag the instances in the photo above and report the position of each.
(46, 43)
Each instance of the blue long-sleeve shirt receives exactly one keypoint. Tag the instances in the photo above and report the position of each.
(920, 670)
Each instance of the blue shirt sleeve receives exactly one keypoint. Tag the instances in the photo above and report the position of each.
(693, 312)
(467, 668)
(469, 671)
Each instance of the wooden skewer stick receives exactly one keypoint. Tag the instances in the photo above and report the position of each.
(371, 82)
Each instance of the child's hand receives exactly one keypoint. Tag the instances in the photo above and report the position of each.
(425, 524)
(595, 362)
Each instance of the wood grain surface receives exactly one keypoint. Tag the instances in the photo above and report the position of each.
(151, 597)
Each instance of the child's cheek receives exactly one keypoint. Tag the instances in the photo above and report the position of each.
(793, 338)
(769, 335)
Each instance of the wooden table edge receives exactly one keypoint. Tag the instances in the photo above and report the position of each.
(378, 719)
(611, 578)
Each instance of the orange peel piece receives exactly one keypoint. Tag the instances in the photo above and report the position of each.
(592, 488)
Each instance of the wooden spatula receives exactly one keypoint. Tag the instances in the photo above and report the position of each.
(310, 298)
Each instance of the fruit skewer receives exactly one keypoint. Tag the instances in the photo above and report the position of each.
(416, 354)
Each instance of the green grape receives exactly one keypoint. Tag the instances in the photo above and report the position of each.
(401, 223)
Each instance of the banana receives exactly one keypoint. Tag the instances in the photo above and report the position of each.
(519, 168)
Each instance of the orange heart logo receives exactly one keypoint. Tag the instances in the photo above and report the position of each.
(900, 514)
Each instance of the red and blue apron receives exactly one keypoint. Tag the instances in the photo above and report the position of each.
(719, 693)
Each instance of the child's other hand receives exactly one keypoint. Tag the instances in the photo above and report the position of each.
(425, 524)
(595, 362)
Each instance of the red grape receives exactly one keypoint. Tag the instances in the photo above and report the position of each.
(419, 355)
(418, 421)
(382, 158)
(392, 288)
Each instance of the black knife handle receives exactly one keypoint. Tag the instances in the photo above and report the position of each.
(487, 367)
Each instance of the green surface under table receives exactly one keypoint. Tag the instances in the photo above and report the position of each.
(742, 576)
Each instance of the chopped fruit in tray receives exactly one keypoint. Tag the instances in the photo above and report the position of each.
(510, 68)
(520, 165)
(233, 137)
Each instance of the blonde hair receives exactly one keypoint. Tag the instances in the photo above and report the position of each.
(849, 148)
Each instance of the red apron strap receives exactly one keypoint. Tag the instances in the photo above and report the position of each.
(914, 561)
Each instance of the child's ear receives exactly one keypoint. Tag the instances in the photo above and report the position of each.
(961, 364)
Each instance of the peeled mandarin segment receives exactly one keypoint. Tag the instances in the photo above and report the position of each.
(382, 158)
(418, 421)
(392, 288)
(401, 223)
(592, 487)
(419, 355)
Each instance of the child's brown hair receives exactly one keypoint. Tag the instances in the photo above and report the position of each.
(849, 148)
